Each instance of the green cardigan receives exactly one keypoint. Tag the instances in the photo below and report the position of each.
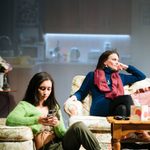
(25, 114)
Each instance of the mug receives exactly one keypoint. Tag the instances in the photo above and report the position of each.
(74, 54)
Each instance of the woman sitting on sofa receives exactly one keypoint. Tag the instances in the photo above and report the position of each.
(106, 84)
(40, 110)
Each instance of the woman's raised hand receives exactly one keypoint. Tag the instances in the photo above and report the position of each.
(122, 66)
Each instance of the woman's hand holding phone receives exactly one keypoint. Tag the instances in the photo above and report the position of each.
(49, 120)
(52, 120)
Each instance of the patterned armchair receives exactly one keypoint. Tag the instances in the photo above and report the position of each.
(15, 138)
(140, 92)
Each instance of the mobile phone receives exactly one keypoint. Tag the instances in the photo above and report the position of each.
(121, 118)
(51, 113)
(118, 117)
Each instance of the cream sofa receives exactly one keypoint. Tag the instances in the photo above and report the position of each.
(140, 92)
(15, 138)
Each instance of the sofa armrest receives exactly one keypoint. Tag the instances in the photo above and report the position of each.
(15, 133)
(73, 108)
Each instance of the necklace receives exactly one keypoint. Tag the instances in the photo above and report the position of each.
(108, 82)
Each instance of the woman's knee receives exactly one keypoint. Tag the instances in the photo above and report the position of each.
(78, 124)
(121, 110)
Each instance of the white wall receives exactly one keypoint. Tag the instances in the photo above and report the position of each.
(140, 35)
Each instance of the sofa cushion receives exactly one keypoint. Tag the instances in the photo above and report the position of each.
(142, 85)
(25, 145)
(92, 122)
(140, 92)
(142, 98)
(17, 133)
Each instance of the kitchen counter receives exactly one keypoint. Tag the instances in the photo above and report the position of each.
(28, 62)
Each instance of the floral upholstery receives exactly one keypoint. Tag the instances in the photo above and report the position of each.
(139, 86)
(76, 83)
(26, 145)
(93, 122)
(20, 133)
(140, 91)
(15, 138)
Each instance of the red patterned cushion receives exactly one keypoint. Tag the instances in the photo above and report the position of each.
(142, 96)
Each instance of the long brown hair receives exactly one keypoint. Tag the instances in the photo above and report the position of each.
(103, 57)
(32, 90)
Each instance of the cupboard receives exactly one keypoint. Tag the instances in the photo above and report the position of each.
(86, 16)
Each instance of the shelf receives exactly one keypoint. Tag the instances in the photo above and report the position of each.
(7, 91)
(67, 63)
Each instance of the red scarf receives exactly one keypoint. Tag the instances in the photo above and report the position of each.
(117, 86)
